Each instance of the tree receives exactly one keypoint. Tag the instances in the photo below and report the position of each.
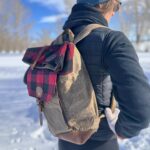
(44, 38)
(14, 25)
(68, 4)
(60, 21)
(135, 19)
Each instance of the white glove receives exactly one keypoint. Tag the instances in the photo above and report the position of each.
(112, 118)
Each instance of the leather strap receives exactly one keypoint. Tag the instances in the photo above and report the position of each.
(86, 31)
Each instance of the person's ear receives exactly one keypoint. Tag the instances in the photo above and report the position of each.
(113, 13)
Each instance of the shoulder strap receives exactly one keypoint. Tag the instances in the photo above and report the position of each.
(86, 31)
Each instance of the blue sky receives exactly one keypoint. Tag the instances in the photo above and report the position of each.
(44, 14)
(39, 11)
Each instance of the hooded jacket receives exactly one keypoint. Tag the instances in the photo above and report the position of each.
(114, 68)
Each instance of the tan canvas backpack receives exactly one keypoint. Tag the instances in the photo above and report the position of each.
(72, 114)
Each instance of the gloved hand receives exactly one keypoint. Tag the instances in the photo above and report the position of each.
(112, 118)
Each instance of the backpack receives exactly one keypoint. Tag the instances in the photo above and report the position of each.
(58, 79)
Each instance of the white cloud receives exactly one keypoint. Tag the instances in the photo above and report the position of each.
(53, 18)
(50, 3)
(58, 4)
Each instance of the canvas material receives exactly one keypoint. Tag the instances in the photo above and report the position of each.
(54, 116)
(77, 96)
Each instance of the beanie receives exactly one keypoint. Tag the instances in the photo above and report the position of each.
(92, 2)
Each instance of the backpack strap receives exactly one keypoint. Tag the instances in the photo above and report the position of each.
(86, 31)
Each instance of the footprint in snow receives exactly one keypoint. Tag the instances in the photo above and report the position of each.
(18, 140)
(14, 131)
(32, 148)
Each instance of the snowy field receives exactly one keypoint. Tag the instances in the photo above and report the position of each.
(19, 126)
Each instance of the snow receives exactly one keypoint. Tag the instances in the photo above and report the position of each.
(19, 125)
(142, 46)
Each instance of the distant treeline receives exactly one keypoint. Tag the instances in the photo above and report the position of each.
(16, 24)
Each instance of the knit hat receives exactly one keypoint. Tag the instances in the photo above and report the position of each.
(92, 2)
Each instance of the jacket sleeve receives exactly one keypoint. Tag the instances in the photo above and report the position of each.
(130, 85)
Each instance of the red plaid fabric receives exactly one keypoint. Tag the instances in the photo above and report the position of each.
(55, 60)
(44, 79)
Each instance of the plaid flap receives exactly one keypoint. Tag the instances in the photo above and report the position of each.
(52, 58)
(41, 83)
(31, 54)
(68, 59)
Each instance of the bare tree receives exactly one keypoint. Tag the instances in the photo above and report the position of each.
(43, 38)
(60, 21)
(135, 18)
(14, 25)
(69, 4)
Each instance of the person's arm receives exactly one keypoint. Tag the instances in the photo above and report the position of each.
(130, 85)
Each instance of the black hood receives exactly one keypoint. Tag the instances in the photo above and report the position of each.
(84, 14)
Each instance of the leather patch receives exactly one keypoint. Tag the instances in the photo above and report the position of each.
(39, 91)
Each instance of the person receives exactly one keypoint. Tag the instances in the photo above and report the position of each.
(114, 69)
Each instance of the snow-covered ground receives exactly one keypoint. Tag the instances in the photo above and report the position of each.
(19, 126)
(143, 46)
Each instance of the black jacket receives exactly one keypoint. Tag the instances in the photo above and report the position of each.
(113, 66)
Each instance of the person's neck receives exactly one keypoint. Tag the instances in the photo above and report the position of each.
(108, 16)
